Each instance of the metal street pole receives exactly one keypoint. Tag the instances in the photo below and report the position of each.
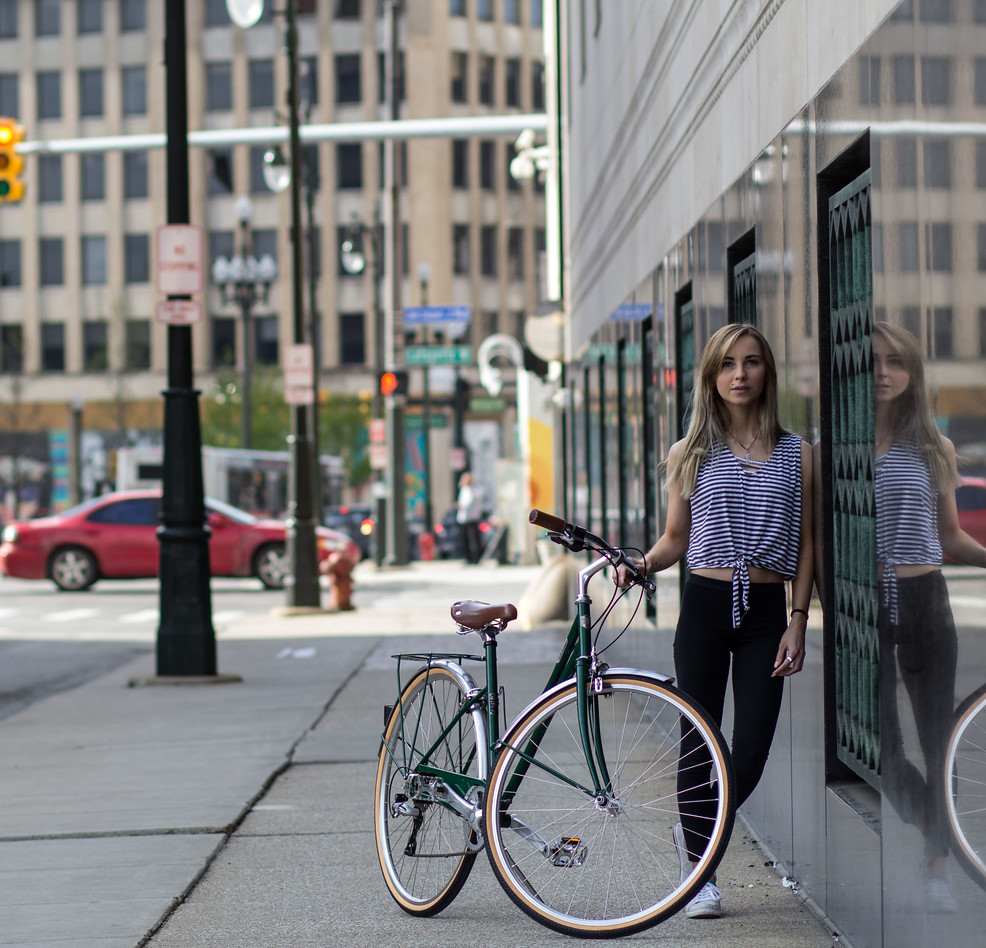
(245, 297)
(186, 640)
(303, 589)
(424, 272)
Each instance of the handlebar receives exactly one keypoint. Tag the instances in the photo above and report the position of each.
(577, 538)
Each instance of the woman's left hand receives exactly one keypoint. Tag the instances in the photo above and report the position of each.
(791, 651)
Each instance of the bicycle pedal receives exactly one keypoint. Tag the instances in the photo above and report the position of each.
(567, 852)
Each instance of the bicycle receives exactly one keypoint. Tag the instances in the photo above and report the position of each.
(965, 781)
(576, 803)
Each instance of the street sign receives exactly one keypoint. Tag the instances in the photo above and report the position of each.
(457, 459)
(179, 312)
(299, 362)
(435, 315)
(378, 457)
(378, 430)
(178, 270)
(417, 422)
(438, 355)
(486, 406)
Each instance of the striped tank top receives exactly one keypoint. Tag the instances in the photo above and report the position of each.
(743, 516)
(906, 515)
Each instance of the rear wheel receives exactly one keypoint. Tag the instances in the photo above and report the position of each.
(73, 568)
(965, 773)
(426, 848)
(606, 865)
(270, 565)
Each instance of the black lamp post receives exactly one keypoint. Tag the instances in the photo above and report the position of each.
(424, 273)
(246, 281)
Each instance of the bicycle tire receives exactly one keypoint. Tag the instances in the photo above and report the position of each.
(965, 783)
(621, 874)
(426, 849)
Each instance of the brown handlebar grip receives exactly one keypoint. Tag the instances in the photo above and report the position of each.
(549, 521)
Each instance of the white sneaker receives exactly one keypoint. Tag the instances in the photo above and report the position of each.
(938, 896)
(707, 904)
(684, 862)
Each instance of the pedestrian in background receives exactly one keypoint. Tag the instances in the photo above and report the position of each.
(468, 514)
(739, 512)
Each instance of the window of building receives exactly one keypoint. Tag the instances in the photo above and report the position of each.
(308, 71)
(93, 260)
(133, 15)
(218, 87)
(979, 81)
(511, 11)
(266, 340)
(537, 13)
(52, 347)
(487, 250)
(979, 11)
(89, 16)
(49, 178)
(941, 332)
(8, 19)
(92, 176)
(10, 263)
(938, 246)
(484, 10)
(869, 80)
(134, 90)
(460, 70)
(487, 80)
(264, 241)
(90, 93)
(349, 166)
(49, 85)
(94, 348)
(221, 244)
(512, 183)
(216, 13)
(981, 164)
(11, 349)
(257, 183)
(348, 78)
(382, 163)
(982, 248)
(487, 165)
(936, 80)
(460, 249)
(134, 175)
(937, 163)
(9, 88)
(908, 247)
(903, 11)
(876, 236)
(47, 17)
(902, 71)
(52, 261)
(136, 258)
(511, 82)
(352, 339)
(515, 253)
(383, 85)
(347, 9)
(907, 163)
(137, 344)
(460, 163)
(935, 11)
(537, 86)
(457, 7)
(260, 83)
(223, 341)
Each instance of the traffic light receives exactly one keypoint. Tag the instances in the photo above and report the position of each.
(393, 383)
(11, 163)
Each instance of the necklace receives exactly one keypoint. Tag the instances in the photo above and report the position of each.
(746, 447)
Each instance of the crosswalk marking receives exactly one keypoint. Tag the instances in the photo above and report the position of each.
(141, 615)
(69, 615)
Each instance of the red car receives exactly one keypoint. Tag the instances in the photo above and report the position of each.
(115, 537)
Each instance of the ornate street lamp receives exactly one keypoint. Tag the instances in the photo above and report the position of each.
(246, 281)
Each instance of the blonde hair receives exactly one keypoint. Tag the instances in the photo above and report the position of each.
(709, 417)
(910, 413)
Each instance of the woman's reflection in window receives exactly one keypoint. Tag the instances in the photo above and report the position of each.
(917, 522)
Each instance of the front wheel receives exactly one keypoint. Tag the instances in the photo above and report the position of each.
(425, 846)
(965, 775)
(270, 565)
(603, 863)
(73, 569)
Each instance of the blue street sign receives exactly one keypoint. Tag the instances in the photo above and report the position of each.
(436, 315)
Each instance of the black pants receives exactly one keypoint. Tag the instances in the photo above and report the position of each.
(471, 547)
(705, 644)
(922, 648)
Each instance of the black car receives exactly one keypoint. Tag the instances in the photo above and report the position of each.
(448, 537)
(357, 520)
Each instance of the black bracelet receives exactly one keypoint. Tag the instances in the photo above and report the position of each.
(804, 612)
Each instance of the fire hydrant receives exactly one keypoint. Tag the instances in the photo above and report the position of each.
(426, 546)
(339, 569)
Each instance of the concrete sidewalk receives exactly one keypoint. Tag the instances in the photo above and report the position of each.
(240, 814)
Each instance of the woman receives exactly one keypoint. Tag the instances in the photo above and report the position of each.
(916, 522)
(739, 506)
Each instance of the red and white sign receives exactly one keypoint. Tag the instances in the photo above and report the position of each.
(378, 456)
(299, 374)
(378, 430)
(179, 270)
(179, 312)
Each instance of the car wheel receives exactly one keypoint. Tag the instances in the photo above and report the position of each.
(270, 565)
(73, 568)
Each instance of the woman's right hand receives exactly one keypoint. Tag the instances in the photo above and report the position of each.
(624, 575)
